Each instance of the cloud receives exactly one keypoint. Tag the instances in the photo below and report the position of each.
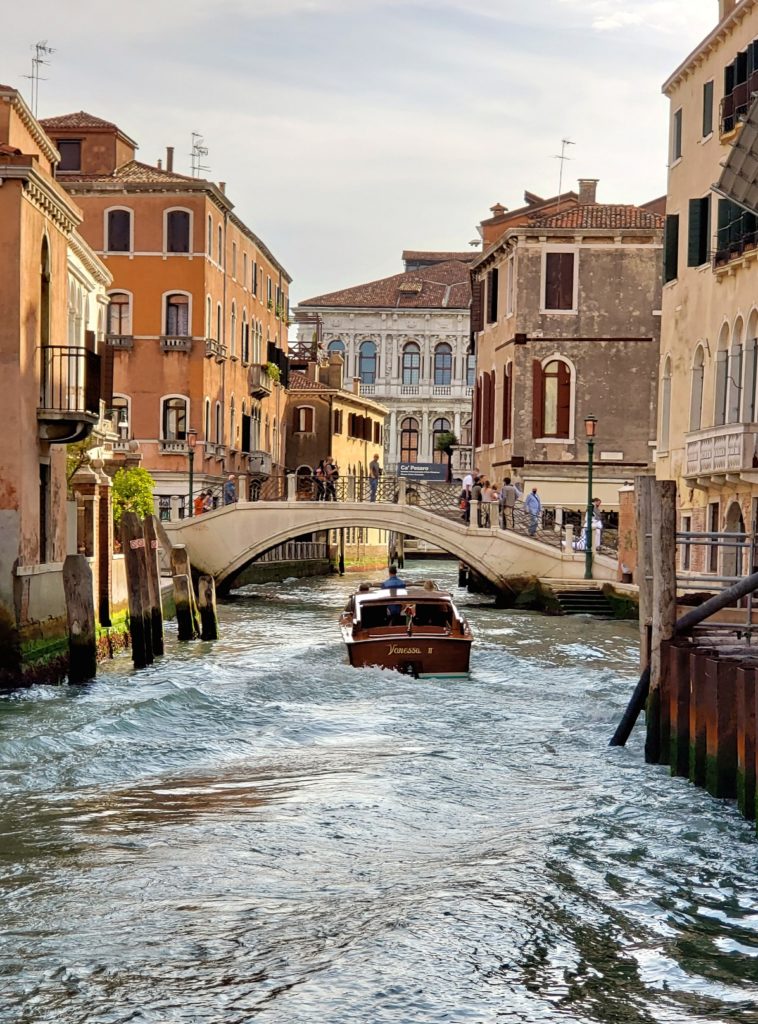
(656, 16)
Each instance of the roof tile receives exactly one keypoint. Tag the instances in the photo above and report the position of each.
(600, 215)
(442, 286)
(79, 119)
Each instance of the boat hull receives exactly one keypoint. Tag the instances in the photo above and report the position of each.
(414, 655)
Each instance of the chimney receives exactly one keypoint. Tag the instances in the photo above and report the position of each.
(160, 164)
(725, 8)
(169, 158)
(222, 186)
(498, 210)
(356, 385)
(587, 191)
(335, 371)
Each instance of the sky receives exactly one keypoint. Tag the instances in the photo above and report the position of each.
(349, 130)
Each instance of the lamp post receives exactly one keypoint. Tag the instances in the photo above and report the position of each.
(590, 425)
(191, 442)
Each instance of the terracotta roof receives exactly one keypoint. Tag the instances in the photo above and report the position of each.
(79, 119)
(600, 215)
(134, 171)
(299, 382)
(442, 286)
(6, 150)
(416, 255)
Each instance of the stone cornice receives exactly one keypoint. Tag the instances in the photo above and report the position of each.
(31, 123)
(43, 194)
(90, 261)
(719, 35)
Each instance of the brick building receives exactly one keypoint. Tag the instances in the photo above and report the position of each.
(197, 317)
(565, 322)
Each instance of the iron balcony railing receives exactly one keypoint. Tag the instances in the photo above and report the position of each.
(69, 380)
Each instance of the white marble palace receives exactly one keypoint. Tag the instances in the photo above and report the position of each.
(405, 340)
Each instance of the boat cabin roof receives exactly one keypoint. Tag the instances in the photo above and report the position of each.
(383, 595)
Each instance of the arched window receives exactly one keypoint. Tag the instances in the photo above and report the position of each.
(119, 322)
(466, 432)
(119, 415)
(207, 420)
(722, 371)
(735, 374)
(663, 438)
(439, 427)
(219, 425)
(443, 365)
(233, 331)
(751, 370)
(304, 419)
(232, 424)
(409, 440)
(208, 316)
(696, 397)
(245, 336)
(552, 399)
(210, 236)
(219, 324)
(118, 229)
(411, 364)
(220, 246)
(470, 371)
(178, 230)
(174, 419)
(367, 362)
(44, 293)
(177, 316)
(336, 347)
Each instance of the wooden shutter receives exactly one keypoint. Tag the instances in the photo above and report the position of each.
(477, 306)
(492, 289)
(699, 231)
(671, 248)
(478, 414)
(564, 401)
(559, 280)
(92, 381)
(707, 108)
(106, 375)
(537, 399)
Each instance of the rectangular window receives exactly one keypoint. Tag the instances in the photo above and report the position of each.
(559, 280)
(178, 231)
(304, 420)
(337, 428)
(234, 260)
(244, 269)
(71, 154)
(676, 136)
(269, 293)
(671, 248)
(492, 286)
(509, 287)
(255, 277)
(713, 527)
(699, 231)
(707, 108)
(119, 231)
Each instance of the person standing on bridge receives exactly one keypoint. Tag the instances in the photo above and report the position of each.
(331, 472)
(230, 491)
(508, 496)
(374, 472)
(534, 508)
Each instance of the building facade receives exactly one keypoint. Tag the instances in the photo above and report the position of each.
(52, 307)
(707, 418)
(197, 317)
(405, 339)
(566, 324)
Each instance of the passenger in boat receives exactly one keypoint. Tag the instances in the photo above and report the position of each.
(393, 582)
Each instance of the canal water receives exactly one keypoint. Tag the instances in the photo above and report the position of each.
(252, 831)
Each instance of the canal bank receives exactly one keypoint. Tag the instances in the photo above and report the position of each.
(251, 830)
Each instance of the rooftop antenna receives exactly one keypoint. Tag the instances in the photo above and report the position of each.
(199, 150)
(563, 158)
(41, 51)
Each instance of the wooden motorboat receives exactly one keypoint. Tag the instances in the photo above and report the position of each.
(415, 630)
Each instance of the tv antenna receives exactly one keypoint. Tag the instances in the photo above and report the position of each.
(199, 150)
(563, 158)
(41, 52)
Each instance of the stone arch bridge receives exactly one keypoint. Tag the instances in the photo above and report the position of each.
(224, 542)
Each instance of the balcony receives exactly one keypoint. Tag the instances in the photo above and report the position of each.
(220, 452)
(176, 343)
(69, 401)
(172, 447)
(215, 350)
(259, 465)
(721, 453)
(258, 381)
(123, 341)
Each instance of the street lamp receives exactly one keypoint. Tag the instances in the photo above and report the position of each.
(590, 425)
(191, 442)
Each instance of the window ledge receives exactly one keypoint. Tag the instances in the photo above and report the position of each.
(558, 312)
(554, 440)
(675, 163)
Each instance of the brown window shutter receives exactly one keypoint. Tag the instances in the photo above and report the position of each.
(106, 375)
(491, 422)
(477, 306)
(537, 399)
(478, 414)
(567, 280)
(564, 400)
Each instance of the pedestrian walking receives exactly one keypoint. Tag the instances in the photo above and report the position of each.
(374, 472)
(332, 474)
(508, 495)
(534, 508)
(230, 491)
(320, 482)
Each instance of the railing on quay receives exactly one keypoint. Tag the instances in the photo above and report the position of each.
(728, 556)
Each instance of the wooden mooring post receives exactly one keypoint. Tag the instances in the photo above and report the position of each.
(721, 727)
(153, 584)
(663, 525)
(746, 746)
(180, 566)
(185, 620)
(140, 628)
(206, 593)
(80, 611)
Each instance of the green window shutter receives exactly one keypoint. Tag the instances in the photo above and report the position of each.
(707, 108)
(724, 217)
(671, 248)
(693, 241)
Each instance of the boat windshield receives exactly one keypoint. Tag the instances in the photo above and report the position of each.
(425, 614)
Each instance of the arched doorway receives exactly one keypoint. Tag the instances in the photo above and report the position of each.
(732, 564)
